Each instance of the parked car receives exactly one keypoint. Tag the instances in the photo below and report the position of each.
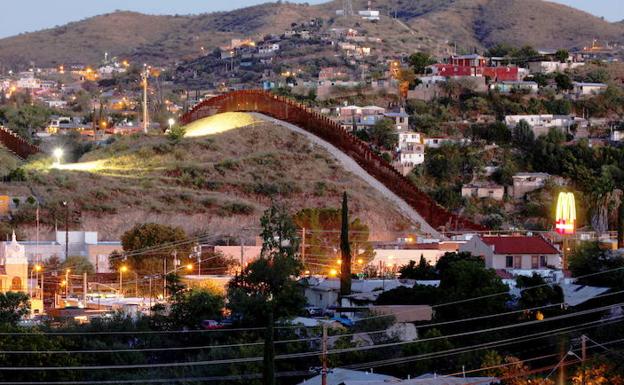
(312, 311)
(210, 324)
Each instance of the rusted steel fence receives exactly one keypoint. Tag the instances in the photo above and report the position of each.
(295, 113)
(16, 144)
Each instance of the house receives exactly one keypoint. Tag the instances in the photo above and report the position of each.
(507, 87)
(497, 74)
(391, 256)
(518, 255)
(580, 89)
(14, 273)
(525, 182)
(548, 67)
(338, 376)
(324, 293)
(473, 60)
(81, 243)
(483, 189)
(410, 151)
(401, 119)
(439, 141)
(541, 124)
(429, 88)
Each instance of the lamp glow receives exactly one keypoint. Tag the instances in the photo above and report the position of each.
(58, 155)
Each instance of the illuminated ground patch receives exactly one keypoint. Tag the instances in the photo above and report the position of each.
(220, 123)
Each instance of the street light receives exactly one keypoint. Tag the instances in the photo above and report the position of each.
(122, 270)
(189, 267)
(38, 269)
(58, 154)
(333, 272)
(67, 282)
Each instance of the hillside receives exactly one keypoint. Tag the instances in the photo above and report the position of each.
(429, 24)
(217, 182)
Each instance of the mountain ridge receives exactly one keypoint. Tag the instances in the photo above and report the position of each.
(469, 24)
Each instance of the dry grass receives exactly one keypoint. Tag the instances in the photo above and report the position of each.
(218, 183)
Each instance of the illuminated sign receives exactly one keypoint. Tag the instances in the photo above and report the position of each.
(566, 214)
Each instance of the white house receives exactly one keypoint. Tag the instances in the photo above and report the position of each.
(518, 255)
(587, 89)
(439, 141)
(547, 67)
(483, 189)
(525, 182)
(541, 124)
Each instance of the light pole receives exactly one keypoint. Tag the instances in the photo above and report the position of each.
(37, 270)
(66, 205)
(122, 270)
(67, 282)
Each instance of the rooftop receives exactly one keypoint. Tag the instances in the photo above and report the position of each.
(520, 245)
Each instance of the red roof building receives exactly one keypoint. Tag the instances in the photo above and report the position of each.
(495, 74)
(514, 252)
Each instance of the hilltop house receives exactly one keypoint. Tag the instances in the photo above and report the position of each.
(581, 89)
(507, 87)
(541, 124)
(517, 255)
(483, 189)
(525, 182)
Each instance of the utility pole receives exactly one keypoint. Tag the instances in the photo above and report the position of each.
(268, 375)
(583, 347)
(150, 294)
(66, 204)
(242, 255)
(165, 277)
(303, 245)
(84, 289)
(66, 283)
(324, 356)
(144, 76)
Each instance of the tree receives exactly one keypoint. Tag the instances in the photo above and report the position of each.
(563, 82)
(384, 135)
(465, 279)
(345, 249)
(421, 271)
(562, 55)
(146, 245)
(420, 61)
(13, 306)
(523, 136)
(540, 294)
(322, 227)
(78, 265)
(190, 308)
(589, 259)
(266, 289)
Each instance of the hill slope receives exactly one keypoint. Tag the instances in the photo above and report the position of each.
(218, 183)
(160, 39)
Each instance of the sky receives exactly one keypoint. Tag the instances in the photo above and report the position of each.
(31, 15)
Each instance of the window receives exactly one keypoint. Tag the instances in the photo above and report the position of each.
(534, 262)
(509, 261)
(16, 284)
(543, 261)
(517, 262)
